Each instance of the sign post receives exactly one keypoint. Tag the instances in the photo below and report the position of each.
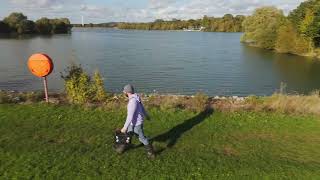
(41, 65)
(45, 83)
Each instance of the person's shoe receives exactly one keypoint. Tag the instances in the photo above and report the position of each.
(150, 151)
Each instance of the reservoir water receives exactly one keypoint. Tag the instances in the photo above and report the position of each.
(160, 61)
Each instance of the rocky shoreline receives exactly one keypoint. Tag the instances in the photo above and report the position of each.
(19, 96)
(282, 103)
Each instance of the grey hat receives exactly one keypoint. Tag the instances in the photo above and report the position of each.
(128, 89)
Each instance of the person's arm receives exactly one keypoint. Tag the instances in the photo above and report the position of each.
(132, 106)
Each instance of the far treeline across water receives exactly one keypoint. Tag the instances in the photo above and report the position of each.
(227, 23)
(298, 33)
(18, 23)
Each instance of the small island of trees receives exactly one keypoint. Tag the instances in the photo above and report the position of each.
(18, 23)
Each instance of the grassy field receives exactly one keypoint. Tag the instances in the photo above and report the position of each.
(68, 142)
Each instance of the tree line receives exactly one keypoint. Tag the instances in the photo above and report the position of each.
(227, 23)
(297, 33)
(100, 25)
(18, 23)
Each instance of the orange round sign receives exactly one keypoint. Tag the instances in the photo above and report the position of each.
(40, 65)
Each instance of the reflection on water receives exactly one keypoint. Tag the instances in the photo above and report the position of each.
(166, 62)
(301, 74)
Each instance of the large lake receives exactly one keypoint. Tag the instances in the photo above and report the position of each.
(160, 61)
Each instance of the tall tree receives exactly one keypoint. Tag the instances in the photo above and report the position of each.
(44, 26)
(60, 26)
(286, 39)
(14, 19)
(261, 28)
(306, 18)
(26, 27)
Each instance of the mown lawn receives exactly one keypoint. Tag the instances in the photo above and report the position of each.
(64, 142)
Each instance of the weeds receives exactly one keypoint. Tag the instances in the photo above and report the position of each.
(5, 98)
(98, 86)
(294, 104)
(200, 101)
(289, 104)
(195, 103)
(33, 97)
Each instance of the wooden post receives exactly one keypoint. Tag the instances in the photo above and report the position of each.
(46, 88)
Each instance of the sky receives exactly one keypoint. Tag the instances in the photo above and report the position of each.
(99, 11)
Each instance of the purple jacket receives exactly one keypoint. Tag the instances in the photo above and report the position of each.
(136, 112)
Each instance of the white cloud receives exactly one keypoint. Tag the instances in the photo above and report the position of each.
(154, 9)
(159, 4)
(37, 3)
(198, 8)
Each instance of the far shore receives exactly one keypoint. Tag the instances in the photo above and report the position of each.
(310, 54)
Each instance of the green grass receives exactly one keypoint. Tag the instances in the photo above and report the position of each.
(65, 142)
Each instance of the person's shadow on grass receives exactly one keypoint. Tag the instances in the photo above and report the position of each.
(175, 133)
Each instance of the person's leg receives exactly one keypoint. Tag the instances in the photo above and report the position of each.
(130, 129)
(142, 138)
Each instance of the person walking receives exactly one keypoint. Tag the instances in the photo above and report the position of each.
(135, 117)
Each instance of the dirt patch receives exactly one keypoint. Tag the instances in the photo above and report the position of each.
(230, 151)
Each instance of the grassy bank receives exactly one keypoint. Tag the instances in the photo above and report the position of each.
(67, 142)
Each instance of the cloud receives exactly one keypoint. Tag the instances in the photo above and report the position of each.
(153, 9)
(197, 8)
(157, 4)
(36, 9)
(37, 3)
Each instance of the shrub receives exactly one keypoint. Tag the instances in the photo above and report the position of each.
(200, 102)
(4, 98)
(100, 93)
(33, 96)
(294, 104)
(170, 103)
(283, 88)
(80, 88)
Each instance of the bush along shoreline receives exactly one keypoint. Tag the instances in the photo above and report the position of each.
(18, 23)
(298, 33)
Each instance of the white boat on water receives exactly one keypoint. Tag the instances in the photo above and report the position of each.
(192, 29)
